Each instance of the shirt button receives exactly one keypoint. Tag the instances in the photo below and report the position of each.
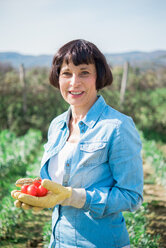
(81, 123)
(82, 130)
(67, 165)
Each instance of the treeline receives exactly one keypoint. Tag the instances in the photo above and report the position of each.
(43, 102)
(145, 99)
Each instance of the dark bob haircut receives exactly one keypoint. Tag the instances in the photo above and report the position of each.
(81, 52)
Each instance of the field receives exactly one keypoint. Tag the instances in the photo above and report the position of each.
(26, 109)
(20, 157)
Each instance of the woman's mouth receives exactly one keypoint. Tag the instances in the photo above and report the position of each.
(76, 93)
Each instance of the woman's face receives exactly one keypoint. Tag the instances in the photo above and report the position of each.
(78, 84)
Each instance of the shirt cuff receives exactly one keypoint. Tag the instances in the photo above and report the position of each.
(77, 198)
(87, 202)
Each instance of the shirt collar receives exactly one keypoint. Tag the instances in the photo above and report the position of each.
(91, 117)
(94, 112)
(65, 118)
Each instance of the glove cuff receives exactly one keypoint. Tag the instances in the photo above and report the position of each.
(77, 199)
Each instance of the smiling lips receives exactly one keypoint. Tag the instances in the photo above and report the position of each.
(76, 93)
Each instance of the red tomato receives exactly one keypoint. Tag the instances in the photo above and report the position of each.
(24, 188)
(32, 190)
(37, 183)
(41, 191)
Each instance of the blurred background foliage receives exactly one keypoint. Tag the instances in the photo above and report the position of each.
(26, 110)
(145, 99)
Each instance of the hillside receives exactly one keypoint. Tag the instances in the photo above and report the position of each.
(15, 59)
(141, 59)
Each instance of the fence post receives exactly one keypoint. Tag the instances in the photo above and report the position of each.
(23, 82)
(124, 82)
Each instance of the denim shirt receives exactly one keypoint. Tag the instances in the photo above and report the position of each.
(107, 164)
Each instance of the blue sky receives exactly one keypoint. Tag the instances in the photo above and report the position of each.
(42, 26)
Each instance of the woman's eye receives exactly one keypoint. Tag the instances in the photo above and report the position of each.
(66, 73)
(84, 73)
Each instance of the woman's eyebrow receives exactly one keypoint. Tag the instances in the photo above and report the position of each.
(65, 69)
(83, 68)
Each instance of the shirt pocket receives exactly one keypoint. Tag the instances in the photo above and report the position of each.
(93, 152)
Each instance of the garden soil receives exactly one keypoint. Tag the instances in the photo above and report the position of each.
(155, 195)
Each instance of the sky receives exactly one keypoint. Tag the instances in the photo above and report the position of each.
(41, 26)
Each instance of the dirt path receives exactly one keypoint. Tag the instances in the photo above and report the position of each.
(155, 195)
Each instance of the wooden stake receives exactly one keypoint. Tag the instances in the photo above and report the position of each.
(23, 83)
(124, 82)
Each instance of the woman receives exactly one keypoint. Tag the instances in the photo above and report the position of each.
(92, 164)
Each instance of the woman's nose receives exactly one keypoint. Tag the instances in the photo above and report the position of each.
(74, 80)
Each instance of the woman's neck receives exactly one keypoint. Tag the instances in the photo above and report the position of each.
(77, 115)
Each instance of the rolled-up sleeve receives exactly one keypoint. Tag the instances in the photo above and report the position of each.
(125, 163)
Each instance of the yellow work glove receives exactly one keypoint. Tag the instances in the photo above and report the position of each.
(56, 194)
(19, 204)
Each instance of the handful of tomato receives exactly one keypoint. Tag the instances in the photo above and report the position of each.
(35, 188)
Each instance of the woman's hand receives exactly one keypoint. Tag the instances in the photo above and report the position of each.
(19, 204)
(56, 194)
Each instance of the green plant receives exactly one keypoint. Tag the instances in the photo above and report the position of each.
(16, 153)
(47, 233)
(137, 223)
(18, 156)
(156, 158)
